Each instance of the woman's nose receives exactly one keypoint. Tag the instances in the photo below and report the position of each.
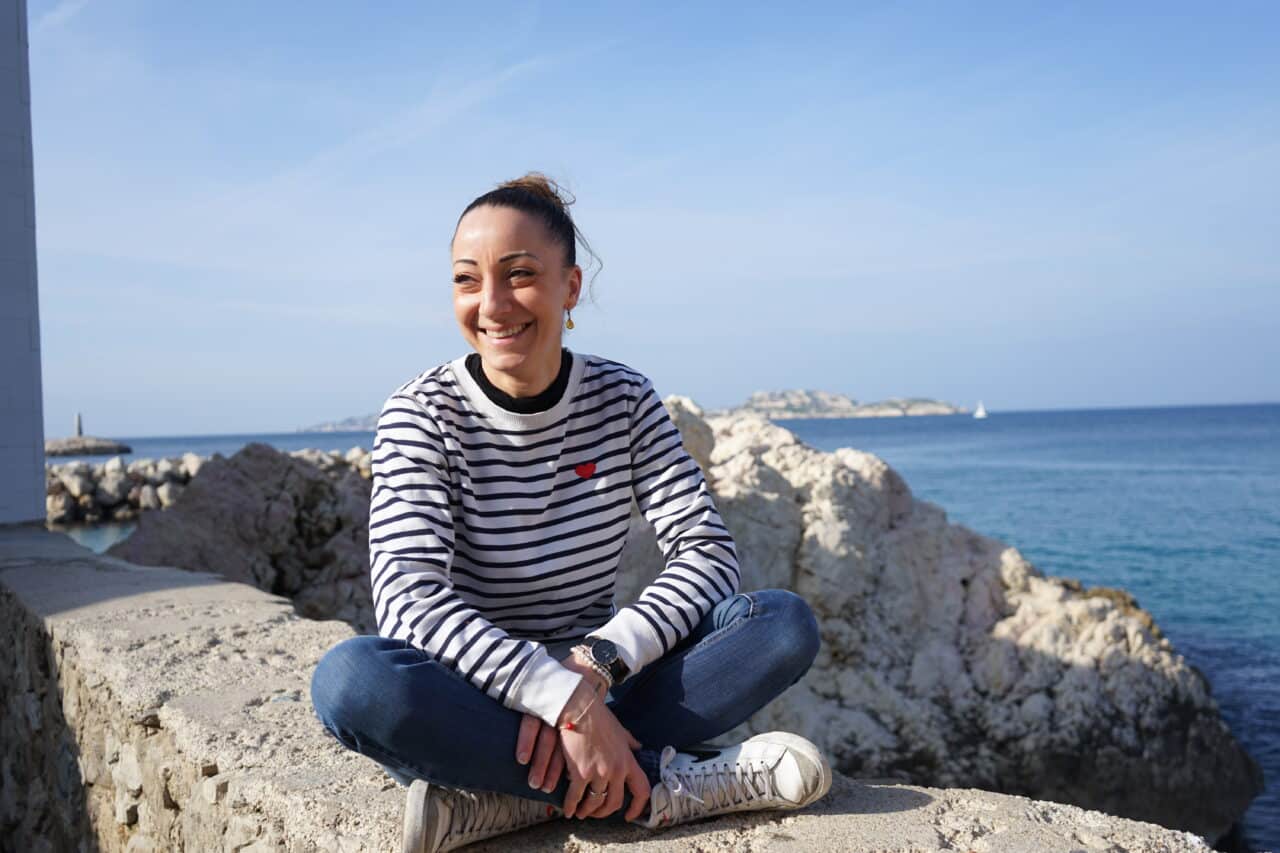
(495, 297)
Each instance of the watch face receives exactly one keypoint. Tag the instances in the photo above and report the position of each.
(604, 651)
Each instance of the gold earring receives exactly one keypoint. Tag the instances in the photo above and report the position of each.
(568, 323)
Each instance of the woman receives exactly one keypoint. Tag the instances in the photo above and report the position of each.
(505, 687)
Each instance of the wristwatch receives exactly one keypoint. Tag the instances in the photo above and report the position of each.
(605, 653)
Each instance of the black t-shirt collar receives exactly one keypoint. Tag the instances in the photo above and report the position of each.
(523, 405)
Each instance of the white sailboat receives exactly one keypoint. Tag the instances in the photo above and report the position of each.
(981, 411)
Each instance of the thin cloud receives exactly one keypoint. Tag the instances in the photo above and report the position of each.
(58, 16)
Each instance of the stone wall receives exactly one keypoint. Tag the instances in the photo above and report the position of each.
(159, 709)
(154, 709)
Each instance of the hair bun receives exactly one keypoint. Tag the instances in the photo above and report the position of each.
(543, 187)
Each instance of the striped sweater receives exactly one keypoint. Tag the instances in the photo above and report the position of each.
(492, 533)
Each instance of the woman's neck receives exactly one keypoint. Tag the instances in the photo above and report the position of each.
(539, 401)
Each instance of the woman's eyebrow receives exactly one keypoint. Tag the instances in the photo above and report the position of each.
(503, 259)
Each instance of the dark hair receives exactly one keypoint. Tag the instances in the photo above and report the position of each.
(547, 201)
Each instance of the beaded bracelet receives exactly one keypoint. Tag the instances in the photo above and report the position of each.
(600, 669)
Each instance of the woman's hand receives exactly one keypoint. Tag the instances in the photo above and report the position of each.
(598, 754)
(538, 745)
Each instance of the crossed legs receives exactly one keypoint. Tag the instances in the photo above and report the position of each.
(393, 703)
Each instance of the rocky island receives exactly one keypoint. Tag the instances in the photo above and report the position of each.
(775, 405)
(781, 405)
(355, 423)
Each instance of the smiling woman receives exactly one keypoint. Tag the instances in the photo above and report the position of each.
(505, 686)
(514, 281)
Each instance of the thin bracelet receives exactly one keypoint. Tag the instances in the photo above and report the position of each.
(573, 724)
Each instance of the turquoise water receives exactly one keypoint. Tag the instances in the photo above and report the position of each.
(1181, 507)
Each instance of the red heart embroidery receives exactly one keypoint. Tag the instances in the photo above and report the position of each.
(585, 470)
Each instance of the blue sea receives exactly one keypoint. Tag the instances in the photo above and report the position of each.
(1179, 506)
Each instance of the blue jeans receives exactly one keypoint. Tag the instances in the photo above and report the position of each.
(395, 704)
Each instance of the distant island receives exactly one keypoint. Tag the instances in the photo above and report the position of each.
(784, 405)
(355, 423)
(776, 405)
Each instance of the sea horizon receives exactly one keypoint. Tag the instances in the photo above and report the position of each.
(990, 412)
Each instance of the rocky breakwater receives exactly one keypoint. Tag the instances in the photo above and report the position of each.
(115, 491)
(83, 445)
(85, 493)
(947, 658)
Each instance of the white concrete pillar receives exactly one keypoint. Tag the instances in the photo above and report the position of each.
(21, 395)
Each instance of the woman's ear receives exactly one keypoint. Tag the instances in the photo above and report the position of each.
(575, 287)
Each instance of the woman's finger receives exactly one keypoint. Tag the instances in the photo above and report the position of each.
(529, 726)
(638, 783)
(592, 803)
(546, 745)
(554, 768)
(617, 787)
(574, 796)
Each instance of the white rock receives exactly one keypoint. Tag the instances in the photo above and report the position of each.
(168, 494)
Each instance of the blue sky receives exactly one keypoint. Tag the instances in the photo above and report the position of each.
(243, 210)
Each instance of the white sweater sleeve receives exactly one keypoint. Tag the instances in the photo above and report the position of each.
(701, 562)
(411, 550)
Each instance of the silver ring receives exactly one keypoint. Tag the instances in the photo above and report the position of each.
(592, 793)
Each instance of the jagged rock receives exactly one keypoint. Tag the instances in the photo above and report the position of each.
(147, 497)
(113, 488)
(60, 508)
(949, 660)
(271, 519)
(695, 434)
(168, 493)
(77, 482)
(168, 470)
(191, 464)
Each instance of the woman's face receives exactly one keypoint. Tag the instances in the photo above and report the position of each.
(509, 276)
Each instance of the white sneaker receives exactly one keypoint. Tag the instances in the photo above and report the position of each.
(437, 818)
(776, 770)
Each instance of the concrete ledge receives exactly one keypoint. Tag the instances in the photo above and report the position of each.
(150, 709)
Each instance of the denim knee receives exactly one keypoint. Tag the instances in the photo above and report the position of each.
(795, 637)
(337, 692)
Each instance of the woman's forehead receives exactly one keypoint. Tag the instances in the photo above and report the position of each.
(488, 230)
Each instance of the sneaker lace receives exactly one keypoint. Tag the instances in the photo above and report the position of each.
(488, 812)
(713, 785)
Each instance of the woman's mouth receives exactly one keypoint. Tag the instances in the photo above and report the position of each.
(506, 334)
